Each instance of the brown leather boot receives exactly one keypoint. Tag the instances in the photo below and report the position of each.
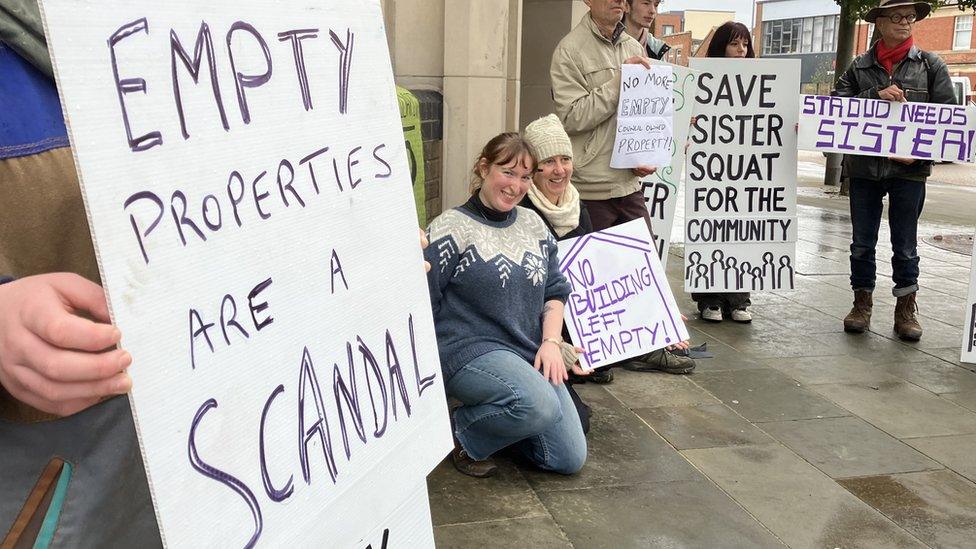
(470, 466)
(859, 319)
(906, 323)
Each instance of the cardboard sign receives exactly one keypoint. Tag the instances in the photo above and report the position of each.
(969, 328)
(645, 133)
(740, 200)
(660, 189)
(621, 305)
(872, 127)
(246, 180)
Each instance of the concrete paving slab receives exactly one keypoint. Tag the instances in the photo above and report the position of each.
(955, 452)
(687, 427)
(767, 395)
(938, 507)
(648, 389)
(901, 409)
(951, 355)
(833, 369)
(456, 498)
(623, 450)
(869, 346)
(797, 502)
(967, 400)
(848, 447)
(502, 534)
(673, 514)
(935, 375)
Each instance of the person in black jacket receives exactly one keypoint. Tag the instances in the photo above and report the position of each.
(893, 69)
(553, 196)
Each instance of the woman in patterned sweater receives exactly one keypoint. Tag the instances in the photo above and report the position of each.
(498, 297)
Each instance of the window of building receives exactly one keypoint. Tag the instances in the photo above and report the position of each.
(963, 36)
(668, 29)
(801, 35)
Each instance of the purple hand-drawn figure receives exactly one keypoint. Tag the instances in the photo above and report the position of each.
(731, 271)
(758, 283)
(701, 277)
(744, 268)
(718, 257)
(769, 269)
(694, 258)
(785, 263)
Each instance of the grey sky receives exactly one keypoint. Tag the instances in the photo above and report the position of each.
(743, 8)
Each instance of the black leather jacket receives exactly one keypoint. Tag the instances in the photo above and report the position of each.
(924, 78)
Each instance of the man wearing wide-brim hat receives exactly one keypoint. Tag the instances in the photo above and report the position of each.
(893, 69)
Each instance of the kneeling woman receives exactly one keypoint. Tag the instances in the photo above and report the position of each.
(498, 297)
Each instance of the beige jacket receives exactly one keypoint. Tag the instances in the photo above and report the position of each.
(585, 75)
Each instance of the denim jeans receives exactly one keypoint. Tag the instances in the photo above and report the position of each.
(905, 200)
(507, 402)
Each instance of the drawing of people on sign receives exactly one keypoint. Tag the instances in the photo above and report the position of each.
(621, 305)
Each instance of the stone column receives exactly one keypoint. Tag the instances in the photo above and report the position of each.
(481, 83)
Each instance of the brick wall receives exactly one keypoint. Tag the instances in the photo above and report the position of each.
(432, 129)
(680, 48)
(671, 19)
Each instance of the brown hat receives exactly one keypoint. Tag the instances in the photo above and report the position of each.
(922, 9)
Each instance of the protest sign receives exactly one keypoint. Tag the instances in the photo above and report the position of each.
(660, 189)
(740, 198)
(621, 305)
(873, 127)
(246, 180)
(969, 328)
(645, 135)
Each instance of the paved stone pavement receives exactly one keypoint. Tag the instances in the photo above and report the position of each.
(795, 434)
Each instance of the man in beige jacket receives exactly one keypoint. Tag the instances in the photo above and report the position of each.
(585, 76)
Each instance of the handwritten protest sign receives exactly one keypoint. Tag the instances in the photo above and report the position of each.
(969, 328)
(740, 200)
(245, 175)
(645, 135)
(873, 127)
(660, 189)
(621, 305)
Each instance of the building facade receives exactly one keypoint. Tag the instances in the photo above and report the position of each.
(804, 30)
(947, 32)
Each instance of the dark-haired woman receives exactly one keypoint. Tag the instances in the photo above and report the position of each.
(731, 39)
(498, 298)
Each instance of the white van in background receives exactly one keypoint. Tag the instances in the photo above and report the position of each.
(963, 88)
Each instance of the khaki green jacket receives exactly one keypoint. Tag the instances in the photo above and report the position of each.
(585, 76)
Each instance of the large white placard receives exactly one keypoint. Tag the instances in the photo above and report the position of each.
(740, 197)
(621, 305)
(645, 134)
(660, 189)
(969, 328)
(248, 191)
(872, 127)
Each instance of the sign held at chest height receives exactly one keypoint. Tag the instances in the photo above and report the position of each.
(621, 305)
(969, 328)
(645, 117)
(233, 159)
(740, 199)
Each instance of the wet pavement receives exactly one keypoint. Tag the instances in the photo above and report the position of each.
(795, 434)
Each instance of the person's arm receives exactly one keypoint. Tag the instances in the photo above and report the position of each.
(847, 86)
(442, 258)
(549, 358)
(940, 84)
(57, 348)
(580, 108)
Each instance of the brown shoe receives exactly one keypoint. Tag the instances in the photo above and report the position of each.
(470, 466)
(859, 319)
(906, 323)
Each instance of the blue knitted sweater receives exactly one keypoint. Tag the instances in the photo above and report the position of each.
(489, 283)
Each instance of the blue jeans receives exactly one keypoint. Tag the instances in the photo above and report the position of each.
(905, 200)
(507, 402)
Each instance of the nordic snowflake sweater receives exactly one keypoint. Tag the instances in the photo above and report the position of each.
(489, 283)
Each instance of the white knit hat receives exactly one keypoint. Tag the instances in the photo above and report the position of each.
(548, 137)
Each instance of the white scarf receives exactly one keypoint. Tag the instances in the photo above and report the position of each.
(563, 218)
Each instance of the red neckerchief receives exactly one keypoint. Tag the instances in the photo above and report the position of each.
(889, 57)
